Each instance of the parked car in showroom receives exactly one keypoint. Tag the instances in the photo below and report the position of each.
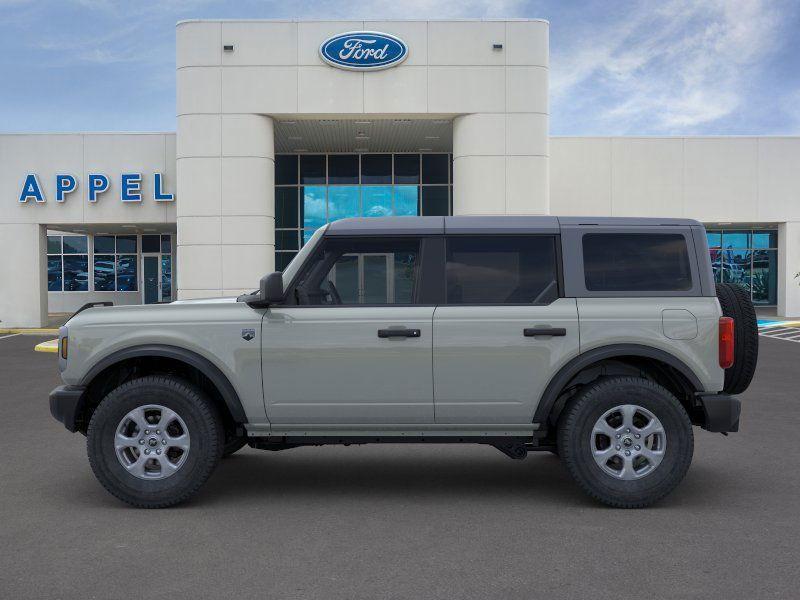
(604, 340)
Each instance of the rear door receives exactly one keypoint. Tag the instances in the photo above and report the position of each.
(503, 331)
(356, 348)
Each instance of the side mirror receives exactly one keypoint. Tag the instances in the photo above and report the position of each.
(271, 288)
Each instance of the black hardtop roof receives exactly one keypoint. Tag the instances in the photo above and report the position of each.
(488, 224)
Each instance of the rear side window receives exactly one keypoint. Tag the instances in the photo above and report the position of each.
(631, 262)
(501, 270)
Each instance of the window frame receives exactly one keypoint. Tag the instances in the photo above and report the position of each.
(556, 239)
(574, 272)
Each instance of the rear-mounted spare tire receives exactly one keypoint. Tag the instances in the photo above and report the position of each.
(735, 303)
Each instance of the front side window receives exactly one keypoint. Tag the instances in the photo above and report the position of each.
(361, 271)
(636, 262)
(501, 270)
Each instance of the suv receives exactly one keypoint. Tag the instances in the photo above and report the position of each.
(600, 340)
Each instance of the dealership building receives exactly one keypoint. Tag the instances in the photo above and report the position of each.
(283, 126)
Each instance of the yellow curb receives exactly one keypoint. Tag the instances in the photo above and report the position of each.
(49, 346)
(30, 331)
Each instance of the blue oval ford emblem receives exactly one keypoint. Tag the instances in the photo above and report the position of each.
(363, 50)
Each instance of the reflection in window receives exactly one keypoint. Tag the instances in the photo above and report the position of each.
(166, 278)
(67, 263)
(343, 202)
(363, 272)
(405, 200)
(126, 273)
(103, 272)
(748, 258)
(376, 201)
(76, 273)
(314, 215)
(54, 277)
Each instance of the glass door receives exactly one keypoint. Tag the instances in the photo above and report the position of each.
(151, 278)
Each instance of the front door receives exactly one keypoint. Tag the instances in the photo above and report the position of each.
(151, 278)
(353, 345)
(503, 331)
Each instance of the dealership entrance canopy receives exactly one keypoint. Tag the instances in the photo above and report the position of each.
(284, 126)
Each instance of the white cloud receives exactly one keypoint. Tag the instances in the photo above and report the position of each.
(669, 69)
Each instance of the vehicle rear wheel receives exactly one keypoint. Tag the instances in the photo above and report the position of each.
(735, 303)
(154, 441)
(626, 441)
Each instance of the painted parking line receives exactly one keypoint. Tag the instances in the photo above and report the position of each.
(48, 346)
(2, 337)
(780, 330)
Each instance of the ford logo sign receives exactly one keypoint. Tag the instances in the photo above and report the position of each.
(363, 50)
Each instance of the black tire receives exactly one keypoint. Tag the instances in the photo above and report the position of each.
(575, 428)
(735, 303)
(233, 444)
(205, 434)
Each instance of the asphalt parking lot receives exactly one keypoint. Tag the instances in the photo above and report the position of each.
(400, 521)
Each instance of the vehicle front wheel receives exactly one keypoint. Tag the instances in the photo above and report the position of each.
(154, 441)
(626, 441)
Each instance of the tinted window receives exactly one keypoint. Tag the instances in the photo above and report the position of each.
(365, 271)
(636, 262)
(285, 169)
(343, 168)
(434, 168)
(312, 168)
(501, 270)
(151, 243)
(376, 168)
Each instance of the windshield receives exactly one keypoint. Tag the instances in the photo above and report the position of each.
(291, 269)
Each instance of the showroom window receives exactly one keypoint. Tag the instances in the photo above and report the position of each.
(314, 189)
(115, 263)
(67, 263)
(748, 257)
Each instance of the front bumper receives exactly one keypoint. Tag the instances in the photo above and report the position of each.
(66, 405)
(721, 412)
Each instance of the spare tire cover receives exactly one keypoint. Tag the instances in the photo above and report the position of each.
(735, 303)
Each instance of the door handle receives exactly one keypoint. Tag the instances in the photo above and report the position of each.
(553, 331)
(399, 333)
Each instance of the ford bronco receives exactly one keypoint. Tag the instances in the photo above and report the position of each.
(603, 340)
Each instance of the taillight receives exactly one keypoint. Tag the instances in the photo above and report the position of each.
(725, 342)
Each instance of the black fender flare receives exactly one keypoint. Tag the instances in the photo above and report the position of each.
(586, 359)
(202, 364)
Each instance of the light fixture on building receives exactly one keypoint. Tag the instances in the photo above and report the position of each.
(497, 46)
(298, 150)
(363, 122)
(402, 121)
(426, 149)
(228, 47)
(432, 137)
(361, 150)
(288, 122)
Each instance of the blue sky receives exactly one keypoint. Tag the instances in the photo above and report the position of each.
(617, 67)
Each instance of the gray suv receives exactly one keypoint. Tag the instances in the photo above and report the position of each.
(601, 340)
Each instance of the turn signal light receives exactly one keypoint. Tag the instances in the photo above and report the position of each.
(725, 342)
(64, 347)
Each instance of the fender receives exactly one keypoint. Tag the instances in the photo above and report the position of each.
(580, 362)
(205, 366)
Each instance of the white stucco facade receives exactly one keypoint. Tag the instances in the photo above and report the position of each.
(488, 77)
(251, 93)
